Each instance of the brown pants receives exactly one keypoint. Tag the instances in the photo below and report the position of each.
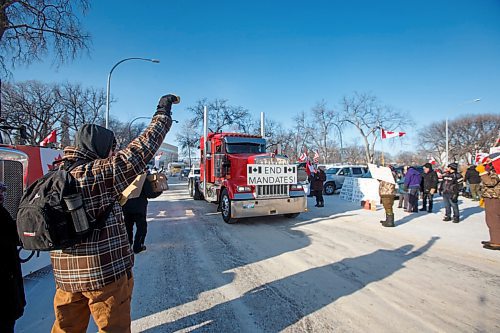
(492, 212)
(109, 306)
(388, 202)
(475, 190)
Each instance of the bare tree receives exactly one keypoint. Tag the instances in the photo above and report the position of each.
(323, 122)
(188, 139)
(301, 136)
(354, 154)
(466, 135)
(222, 115)
(33, 104)
(82, 105)
(30, 29)
(368, 116)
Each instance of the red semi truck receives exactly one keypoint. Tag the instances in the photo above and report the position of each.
(244, 180)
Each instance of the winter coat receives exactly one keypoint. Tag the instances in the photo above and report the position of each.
(386, 189)
(11, 275)
(318, 179)
(412, 178)
(451, 183)
(429, 181)
(401, 186)
(491, 185)
(104, 257)
(139, 205)
(472, 176)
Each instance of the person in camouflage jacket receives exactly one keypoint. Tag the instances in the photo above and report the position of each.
(491, 197)
(387, 191)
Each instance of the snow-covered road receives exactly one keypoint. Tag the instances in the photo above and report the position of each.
(331, 269)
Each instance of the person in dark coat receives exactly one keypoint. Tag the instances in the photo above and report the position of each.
(412, 183)
(472, 177)
(12, 277)
(451, 184)
(428, 186)
(135, 212)
(319, 178)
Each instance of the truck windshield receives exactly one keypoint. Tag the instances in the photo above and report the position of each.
(241, 148)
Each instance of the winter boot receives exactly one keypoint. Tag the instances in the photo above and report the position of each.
(447, 218)
(456, 219)
(384, 221)
(389, 221)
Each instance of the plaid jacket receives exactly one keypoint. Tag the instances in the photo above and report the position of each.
(105, 256)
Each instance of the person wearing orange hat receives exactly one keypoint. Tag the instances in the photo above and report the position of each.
(491, 197)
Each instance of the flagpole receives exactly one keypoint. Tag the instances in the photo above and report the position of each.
(447, 147)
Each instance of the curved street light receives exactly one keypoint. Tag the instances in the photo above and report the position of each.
(108, 87)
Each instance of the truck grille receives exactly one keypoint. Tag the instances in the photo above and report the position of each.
(272, 191)
(11, 173)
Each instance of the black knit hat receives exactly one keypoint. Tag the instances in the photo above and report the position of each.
(428, 166)
(453, 166)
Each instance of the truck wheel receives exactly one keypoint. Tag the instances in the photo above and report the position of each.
(292, 215)
(330, 188)
(197, 195)
(225, 207)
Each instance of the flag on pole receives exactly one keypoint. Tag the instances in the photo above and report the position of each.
(309, 168)
(432, 160)
(316, 157)
(389, 134)
(51, 138)
(302, 157)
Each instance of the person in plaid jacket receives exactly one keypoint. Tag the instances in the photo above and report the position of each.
(95, 276)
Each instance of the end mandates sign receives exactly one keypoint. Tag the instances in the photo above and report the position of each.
(262, 174)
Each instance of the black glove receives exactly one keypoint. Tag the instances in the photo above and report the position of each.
(165, 104)
(454, 198)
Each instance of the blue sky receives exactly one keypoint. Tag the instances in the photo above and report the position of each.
(426, 58)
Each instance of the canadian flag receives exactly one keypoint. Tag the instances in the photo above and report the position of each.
(389, 134)
(479, 157)
(302, 157)
(316, 157)
(309, 168)
(51, 138)
(432, 160)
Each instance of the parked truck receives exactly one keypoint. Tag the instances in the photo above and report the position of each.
(20, 166)
(244, 180)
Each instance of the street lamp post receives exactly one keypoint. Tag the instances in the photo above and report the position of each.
(108, 87)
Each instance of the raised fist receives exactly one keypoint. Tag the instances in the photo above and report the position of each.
(165, 104)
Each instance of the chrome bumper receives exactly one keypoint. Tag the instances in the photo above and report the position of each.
(264, 207)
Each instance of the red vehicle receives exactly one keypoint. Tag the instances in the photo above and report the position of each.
(21, 165)
(244, 180)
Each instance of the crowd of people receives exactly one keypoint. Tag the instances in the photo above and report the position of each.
(478, 182)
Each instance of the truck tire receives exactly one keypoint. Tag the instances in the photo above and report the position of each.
(197, 195)
(225, 207)
(330, 188)
(292, 215)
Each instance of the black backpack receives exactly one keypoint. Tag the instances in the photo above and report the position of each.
(43, 220)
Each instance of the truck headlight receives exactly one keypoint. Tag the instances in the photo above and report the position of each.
(296, 187)
(243, 189)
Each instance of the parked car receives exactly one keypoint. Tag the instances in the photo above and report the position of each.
(335, 176)
(185, 172)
